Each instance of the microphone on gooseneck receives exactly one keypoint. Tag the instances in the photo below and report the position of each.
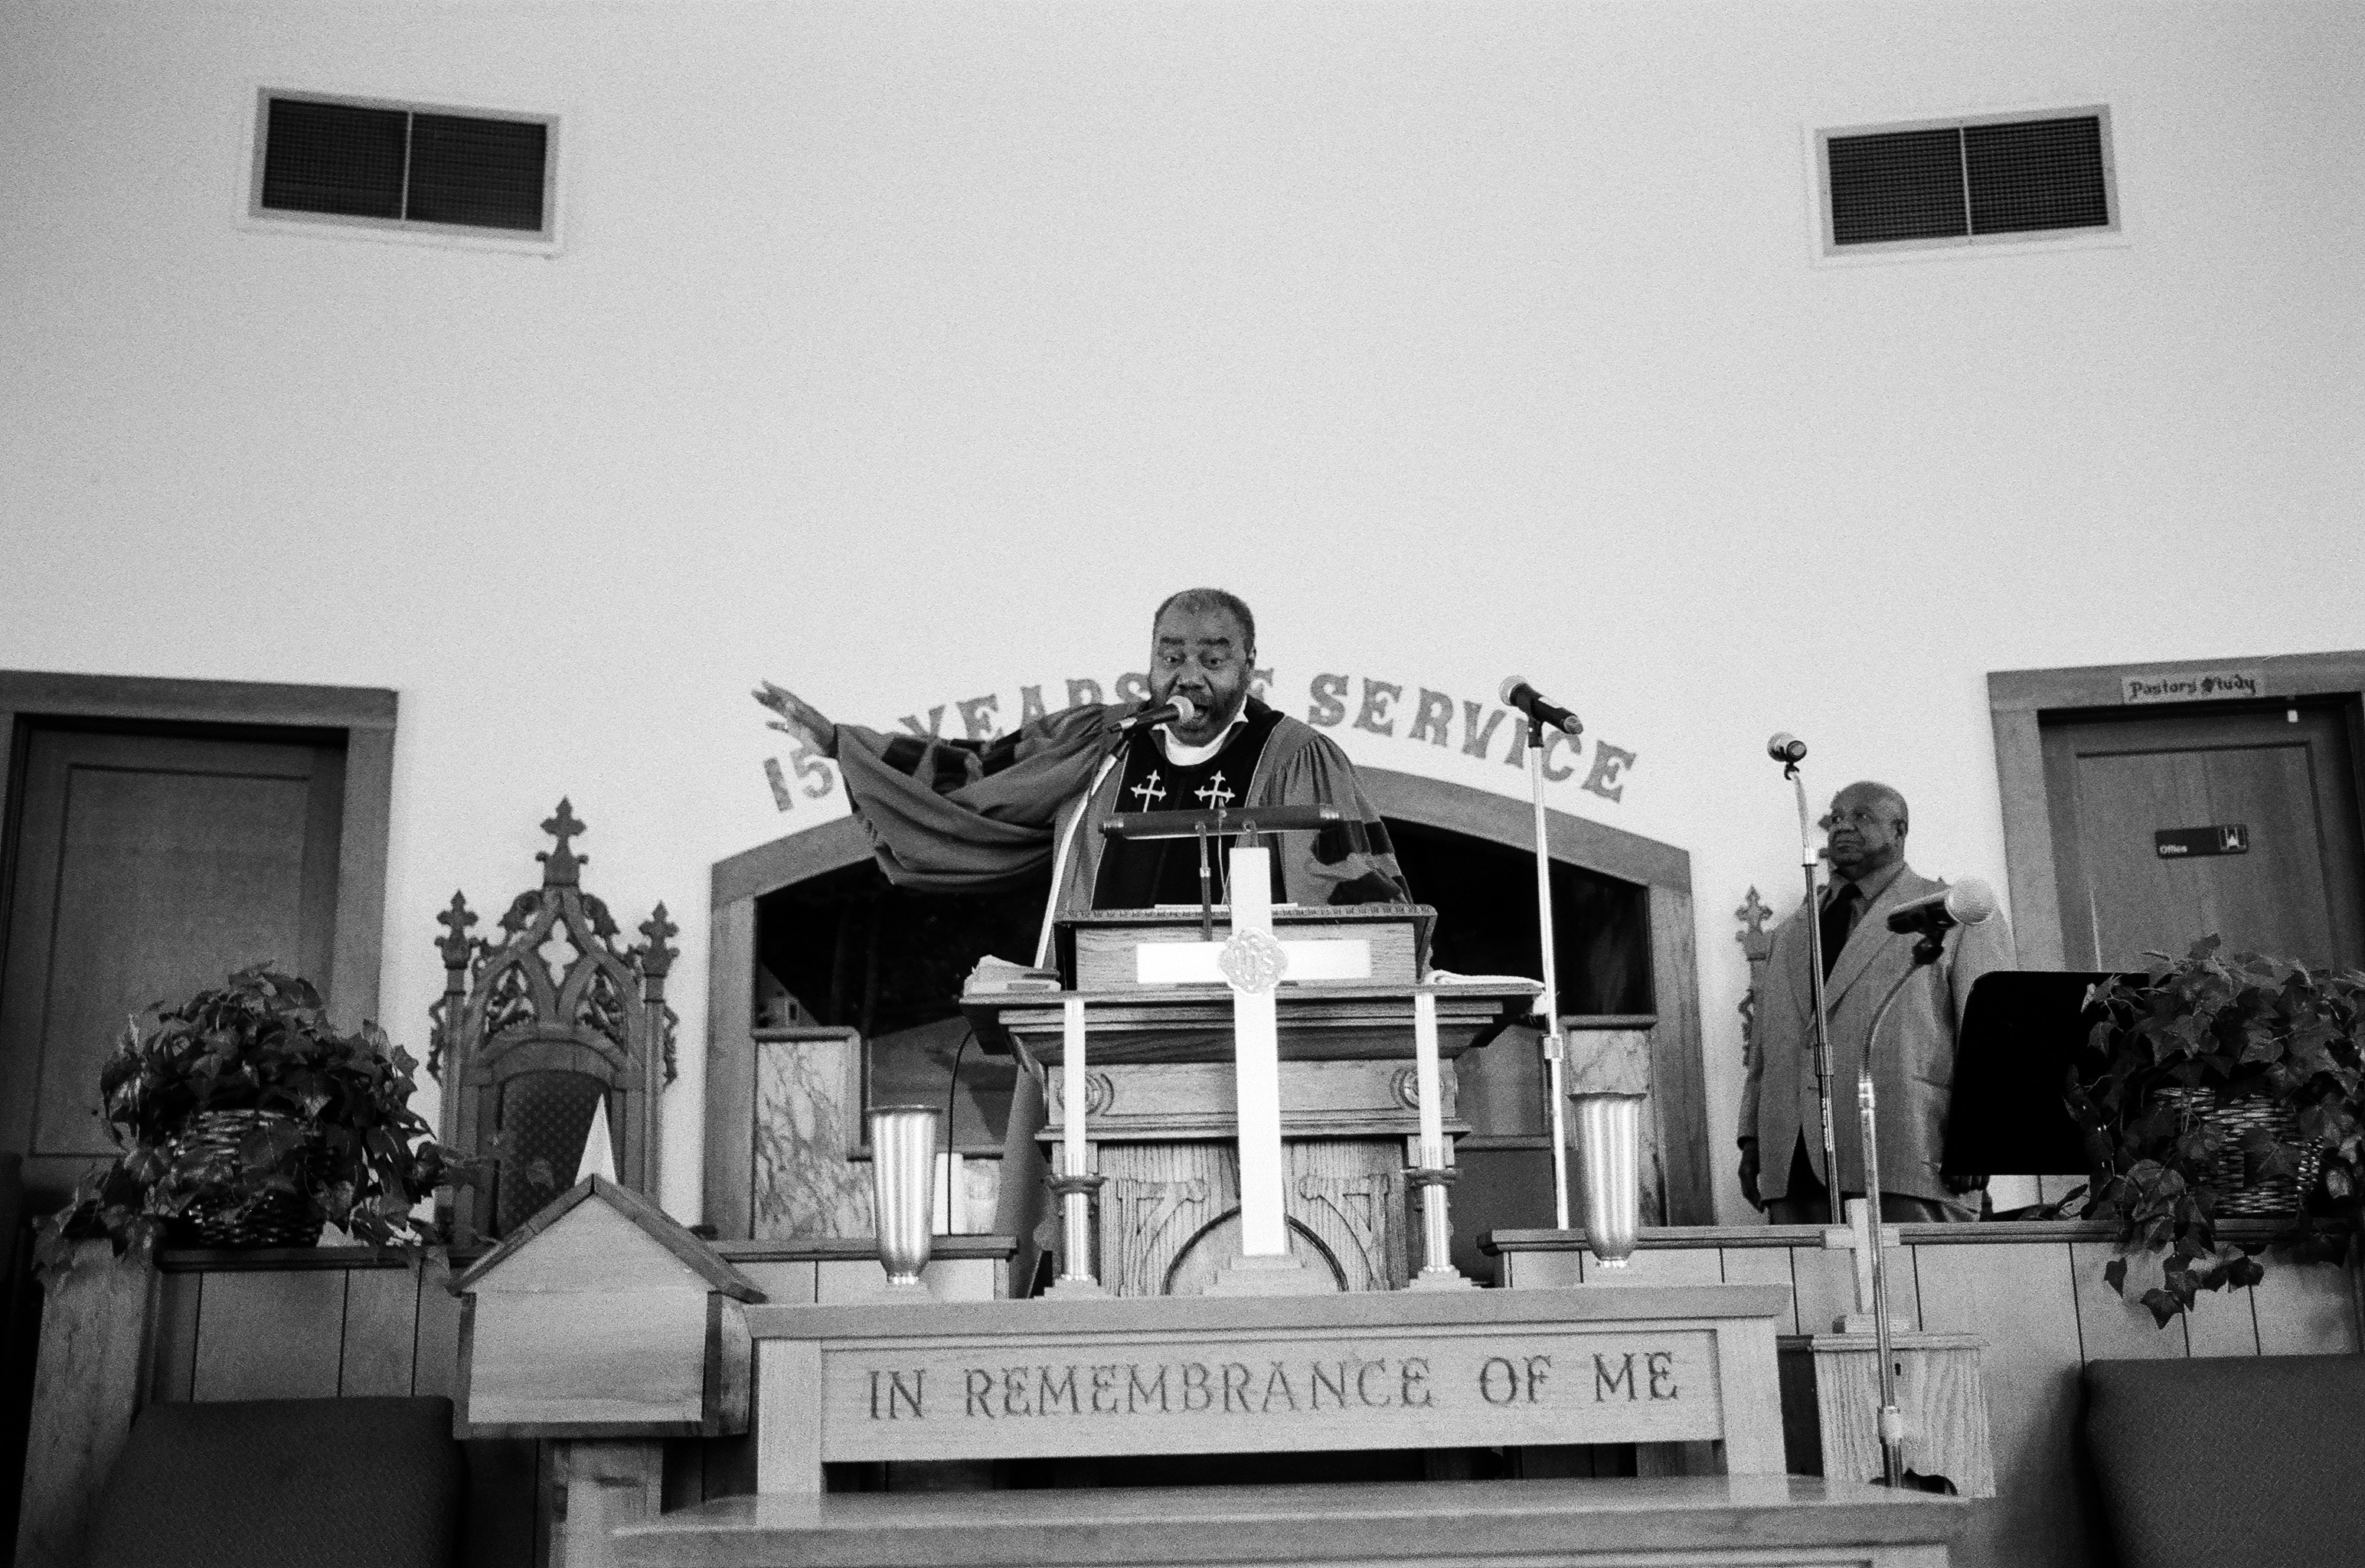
(1518, 693)
(1179, 711)
(1968, 902)
(1786, 748)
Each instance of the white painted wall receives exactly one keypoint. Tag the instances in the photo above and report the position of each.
(908, 351)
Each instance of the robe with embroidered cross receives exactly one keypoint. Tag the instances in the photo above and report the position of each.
(971, 816)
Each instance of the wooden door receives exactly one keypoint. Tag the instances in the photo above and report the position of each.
(146, 868)
(2238, 822)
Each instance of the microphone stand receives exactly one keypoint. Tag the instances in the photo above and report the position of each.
(1555, 1043)
(1891, 1418)
(1807, 861)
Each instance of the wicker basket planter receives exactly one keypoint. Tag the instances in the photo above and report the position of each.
(2243, 1194)
(2245, 1048)
(217, 1138)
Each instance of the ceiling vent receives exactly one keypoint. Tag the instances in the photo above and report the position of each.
(1967, 181)
(404, 167)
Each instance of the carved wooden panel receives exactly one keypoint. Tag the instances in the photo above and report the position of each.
(1170, 1212)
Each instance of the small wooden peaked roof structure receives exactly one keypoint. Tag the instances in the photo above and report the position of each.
(660, 1226)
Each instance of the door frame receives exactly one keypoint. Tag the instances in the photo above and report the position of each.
(1663, 871)
(2020, 702)
(365, 713)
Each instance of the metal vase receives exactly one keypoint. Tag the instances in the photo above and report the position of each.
(1609, 1150)
(904, 1188)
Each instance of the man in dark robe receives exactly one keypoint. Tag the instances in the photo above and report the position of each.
(967, 816)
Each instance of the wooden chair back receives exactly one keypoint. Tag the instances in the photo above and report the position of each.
(538, 1032)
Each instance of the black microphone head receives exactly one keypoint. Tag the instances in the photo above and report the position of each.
(1509, 696)
(1928, 912)
(1786, 748)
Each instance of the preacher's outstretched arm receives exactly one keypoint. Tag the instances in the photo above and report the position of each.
(797, 717)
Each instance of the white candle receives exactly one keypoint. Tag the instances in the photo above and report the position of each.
(1071, 1087)
(1426, 1075)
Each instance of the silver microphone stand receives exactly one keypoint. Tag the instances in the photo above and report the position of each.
(1555, 1043)
(1891, 1418)
(1807, 864)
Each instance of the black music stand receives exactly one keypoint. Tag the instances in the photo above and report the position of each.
(2023, 1031)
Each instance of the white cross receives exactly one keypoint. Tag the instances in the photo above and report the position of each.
(1216, 797)
(1151, 791)
(1252, 963)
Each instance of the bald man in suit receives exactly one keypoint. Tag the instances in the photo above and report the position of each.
(1913, 1063)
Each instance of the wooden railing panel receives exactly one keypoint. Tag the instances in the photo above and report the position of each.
(380, 1350)
(2306, 1312)
(2223, 1324)
(435, 1368)
(2023, 1302)
(87, 1387)
(1763, 1266)
(173, 1373)
(2110, 1327)
(1826, 1282)
(271, 1335)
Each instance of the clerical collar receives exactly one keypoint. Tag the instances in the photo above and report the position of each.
(1186, 756)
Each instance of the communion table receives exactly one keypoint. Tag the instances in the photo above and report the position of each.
(1272, 1375)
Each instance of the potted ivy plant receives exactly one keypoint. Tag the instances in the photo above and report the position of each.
(247, 1118)
(2221, 1085)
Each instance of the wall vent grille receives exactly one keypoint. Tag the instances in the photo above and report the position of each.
(403, 166)
(1963, 182)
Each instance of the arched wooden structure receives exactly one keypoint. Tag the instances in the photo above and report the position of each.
(1661, 870)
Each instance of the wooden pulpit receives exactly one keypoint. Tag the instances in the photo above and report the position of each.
(1163, 1093)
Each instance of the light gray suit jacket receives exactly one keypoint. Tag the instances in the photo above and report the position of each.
(1913, 1066)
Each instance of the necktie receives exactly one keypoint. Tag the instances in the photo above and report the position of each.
(1838, 919)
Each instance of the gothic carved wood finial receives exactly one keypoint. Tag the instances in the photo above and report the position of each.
(562, 868)
(656, 955)
(1753, 915)
(457, 945)
(1757, 946)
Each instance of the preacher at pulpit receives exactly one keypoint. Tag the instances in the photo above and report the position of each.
(964, 816)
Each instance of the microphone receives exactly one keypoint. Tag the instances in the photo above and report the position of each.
(1518, 693)
(1786, 748)
(1178, 710)
(1968, 902)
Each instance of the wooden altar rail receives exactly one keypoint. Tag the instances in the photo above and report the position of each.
(2035, 1292)
(332, 1322)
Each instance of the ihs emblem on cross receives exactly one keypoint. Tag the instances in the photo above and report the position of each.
(1151, 793)
(1216, 796)
(1253, 962)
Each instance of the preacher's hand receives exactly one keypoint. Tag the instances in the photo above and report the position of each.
(1963, 1186)
(1749, 1173)
(797, 717)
